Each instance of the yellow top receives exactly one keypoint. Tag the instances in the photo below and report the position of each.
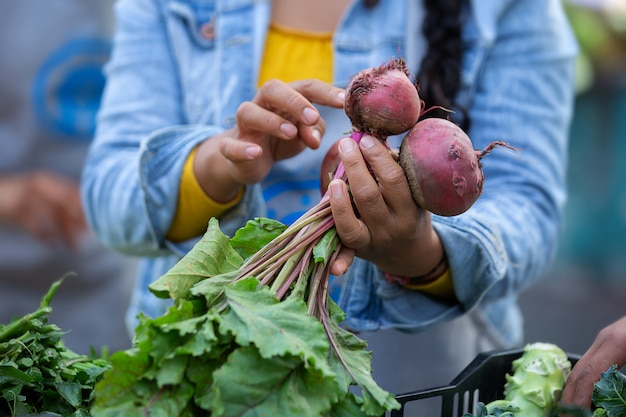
(194, 206)
(441, 287)
(292, 55)
(289, 55)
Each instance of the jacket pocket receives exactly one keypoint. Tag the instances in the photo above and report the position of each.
(198, 19)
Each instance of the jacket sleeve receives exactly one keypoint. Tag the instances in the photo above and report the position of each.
(524, 94)
(132, 172)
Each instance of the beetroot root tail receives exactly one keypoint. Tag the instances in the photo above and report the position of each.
(493, 145)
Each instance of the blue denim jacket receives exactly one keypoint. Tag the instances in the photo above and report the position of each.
(172, 83)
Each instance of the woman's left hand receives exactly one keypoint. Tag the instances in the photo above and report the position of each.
(384, 225)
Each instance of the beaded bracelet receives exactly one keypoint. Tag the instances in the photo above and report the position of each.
(426, 278)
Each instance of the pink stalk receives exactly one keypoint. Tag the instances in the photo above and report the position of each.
(283, 261)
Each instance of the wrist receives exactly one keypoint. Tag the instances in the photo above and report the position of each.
(416, 257)
(208, 168)
(438, 270)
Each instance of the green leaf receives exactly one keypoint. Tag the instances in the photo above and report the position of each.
(11, 375)
(211, 256)
(348, 406)
(498, 408)
(203, 340)
(212, 290)
(145, 399)
(200, 373)
(80, 413)
(17, 402)
(255, 234)
(172, 371)
(117, 386)
(610, 392)
(275, 327)
(71, 392)
(47, 298)
(353, 363)
(324, 249)
(281, 386)
(160, 337)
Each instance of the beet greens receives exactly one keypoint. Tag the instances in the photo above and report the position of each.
(232, 346)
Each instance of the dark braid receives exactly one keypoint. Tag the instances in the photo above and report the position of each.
(439, 77)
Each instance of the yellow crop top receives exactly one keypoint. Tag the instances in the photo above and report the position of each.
(289, 55)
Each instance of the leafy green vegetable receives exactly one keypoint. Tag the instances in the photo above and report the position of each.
(609, 394)
(38, 373)
(533, 389)
(539, 376)
(252, 332)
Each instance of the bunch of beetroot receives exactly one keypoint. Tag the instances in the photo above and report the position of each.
(253, 330)
(444, 171)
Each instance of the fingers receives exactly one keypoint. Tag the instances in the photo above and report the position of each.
(381, 199)
(321, 93)
(390, 178)
(579, 386)
(606, 350)
(253, 117)
(239, 151)
(287, 110)
(354, 233)
(342, 262)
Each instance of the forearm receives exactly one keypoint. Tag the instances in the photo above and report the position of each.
(499, 247)
(129, 190)
(132, 172)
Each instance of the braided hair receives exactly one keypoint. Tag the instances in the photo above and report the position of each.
(439, 77)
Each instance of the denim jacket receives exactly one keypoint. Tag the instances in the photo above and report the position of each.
(180, 69)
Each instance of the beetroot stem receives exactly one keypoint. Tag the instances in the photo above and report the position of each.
(319, 285)
(296, 273)
(305, 236)
(283, 280)
(280, 242)
(287, 257)
(325, 319)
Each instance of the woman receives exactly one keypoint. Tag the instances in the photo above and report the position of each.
(232, 98)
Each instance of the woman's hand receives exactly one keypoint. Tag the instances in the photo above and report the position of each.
(608, 348)
(278, 123)
(390, 230)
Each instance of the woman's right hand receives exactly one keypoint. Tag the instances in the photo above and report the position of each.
(279, 122)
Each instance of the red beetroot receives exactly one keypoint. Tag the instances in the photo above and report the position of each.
(444, 171)
(383, 101)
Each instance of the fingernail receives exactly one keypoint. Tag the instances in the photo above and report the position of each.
(336, 189)
(347, 145)
(342, 95)
(367, 141)
(252, 151)
(288, 129)
(310, 115)
(317, 135)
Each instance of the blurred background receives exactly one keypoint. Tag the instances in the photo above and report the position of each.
(585, 289)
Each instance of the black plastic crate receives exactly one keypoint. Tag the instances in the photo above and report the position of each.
(481, 381)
